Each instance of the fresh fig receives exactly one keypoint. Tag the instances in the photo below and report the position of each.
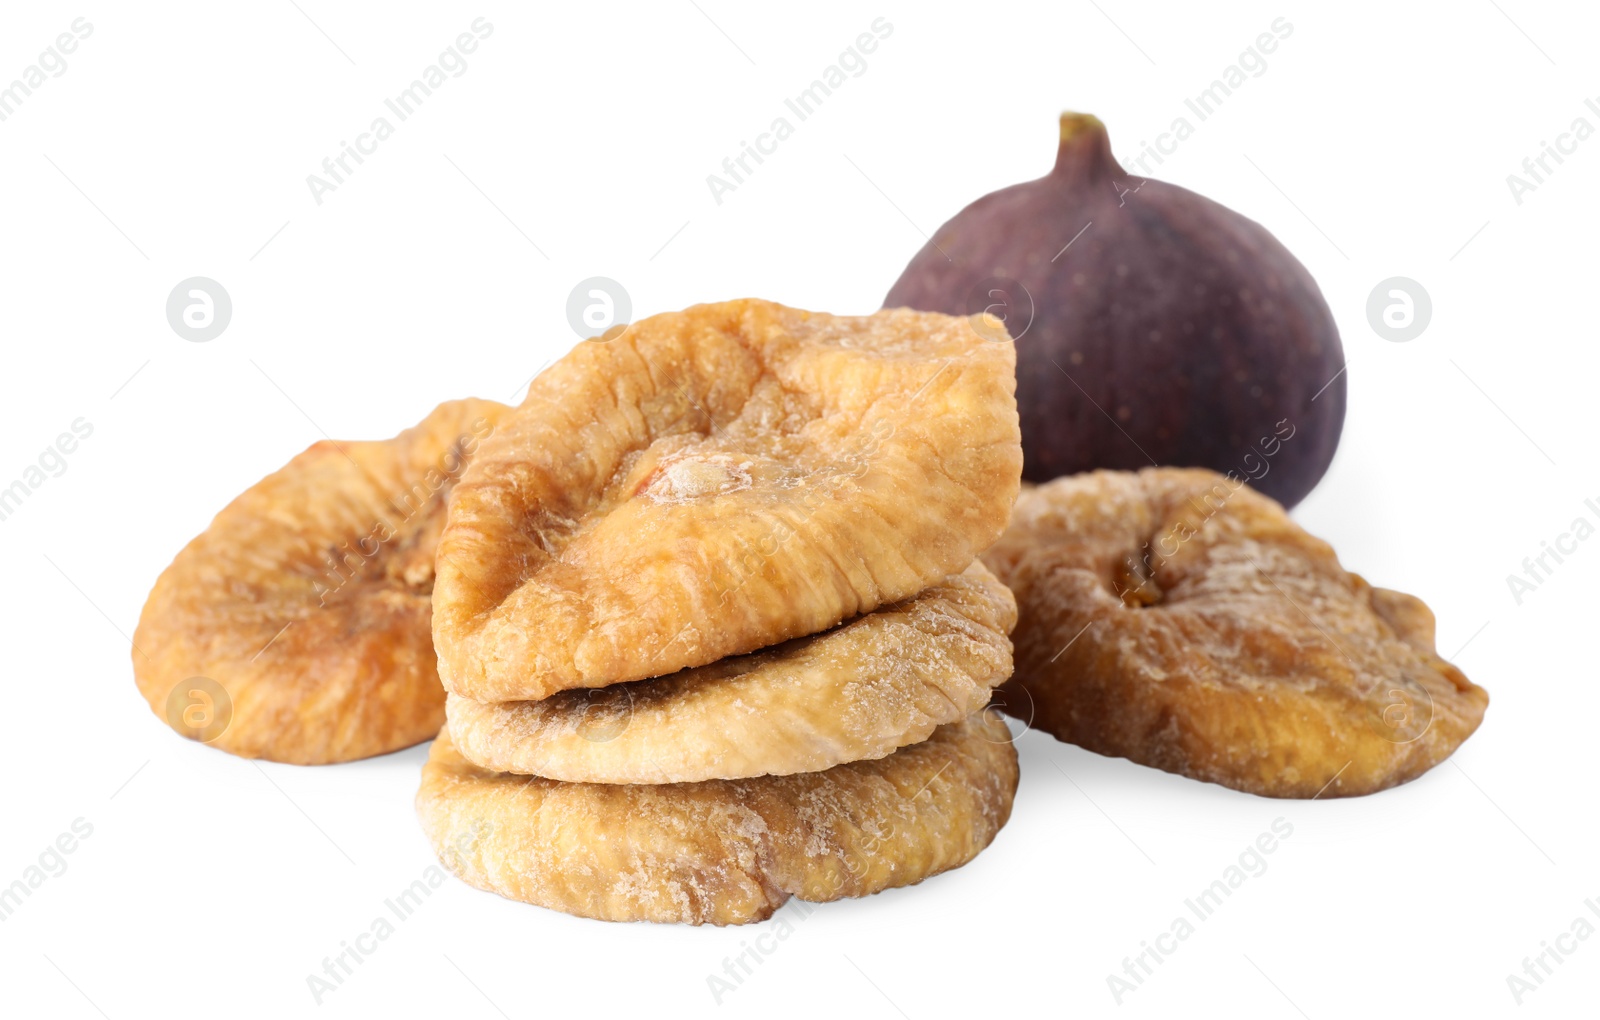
(1153, 325)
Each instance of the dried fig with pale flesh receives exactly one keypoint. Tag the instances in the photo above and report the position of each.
(1180, 619)
(723, 852)
(297, 626)
(858, 691)
(714, 481)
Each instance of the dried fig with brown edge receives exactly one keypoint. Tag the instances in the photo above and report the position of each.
(297, 626)
(1181, 620)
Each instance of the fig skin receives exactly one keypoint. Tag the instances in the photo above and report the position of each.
(1172, 331)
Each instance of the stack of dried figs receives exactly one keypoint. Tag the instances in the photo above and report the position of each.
(707, 604)
(710, 616)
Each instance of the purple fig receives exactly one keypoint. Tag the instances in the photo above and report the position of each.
(1153, 326)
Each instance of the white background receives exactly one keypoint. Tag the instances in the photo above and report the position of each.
(577, 143)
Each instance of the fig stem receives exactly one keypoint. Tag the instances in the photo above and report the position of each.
(1085, 149)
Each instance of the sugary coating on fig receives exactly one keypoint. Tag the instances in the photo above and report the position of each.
(1153, 325)
(858, 691)
(722, 852)
(714, 481)
(297, 626)
(1177, 618)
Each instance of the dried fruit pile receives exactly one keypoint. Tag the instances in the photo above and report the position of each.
(709, 608)
(707, 605)
(710, 618)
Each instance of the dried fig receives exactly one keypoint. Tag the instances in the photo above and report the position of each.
(714, 481)
(1152, 324)
(1179, 619)
(860, 690)
(723, 852)
(296, 627)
